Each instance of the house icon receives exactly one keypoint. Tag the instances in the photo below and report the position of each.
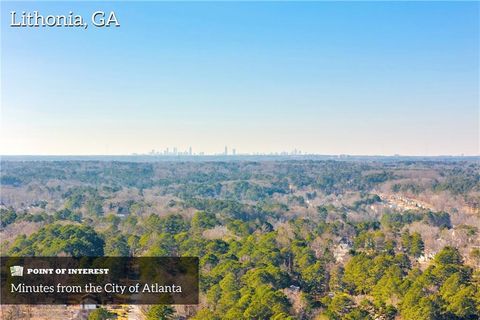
(16, 271)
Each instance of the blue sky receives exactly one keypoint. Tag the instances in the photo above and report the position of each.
(322, 77)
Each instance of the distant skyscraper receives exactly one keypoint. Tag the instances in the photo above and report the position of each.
(234, 151)
(226, 151)
(190, 151)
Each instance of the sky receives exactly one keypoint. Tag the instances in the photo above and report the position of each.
(360, 78)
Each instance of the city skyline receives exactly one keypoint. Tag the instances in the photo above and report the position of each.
(359, 78)
(227, 151)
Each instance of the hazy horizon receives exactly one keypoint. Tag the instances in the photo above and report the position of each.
(326, 78)
(241, 155)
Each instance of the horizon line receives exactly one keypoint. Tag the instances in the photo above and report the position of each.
(245, 155)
